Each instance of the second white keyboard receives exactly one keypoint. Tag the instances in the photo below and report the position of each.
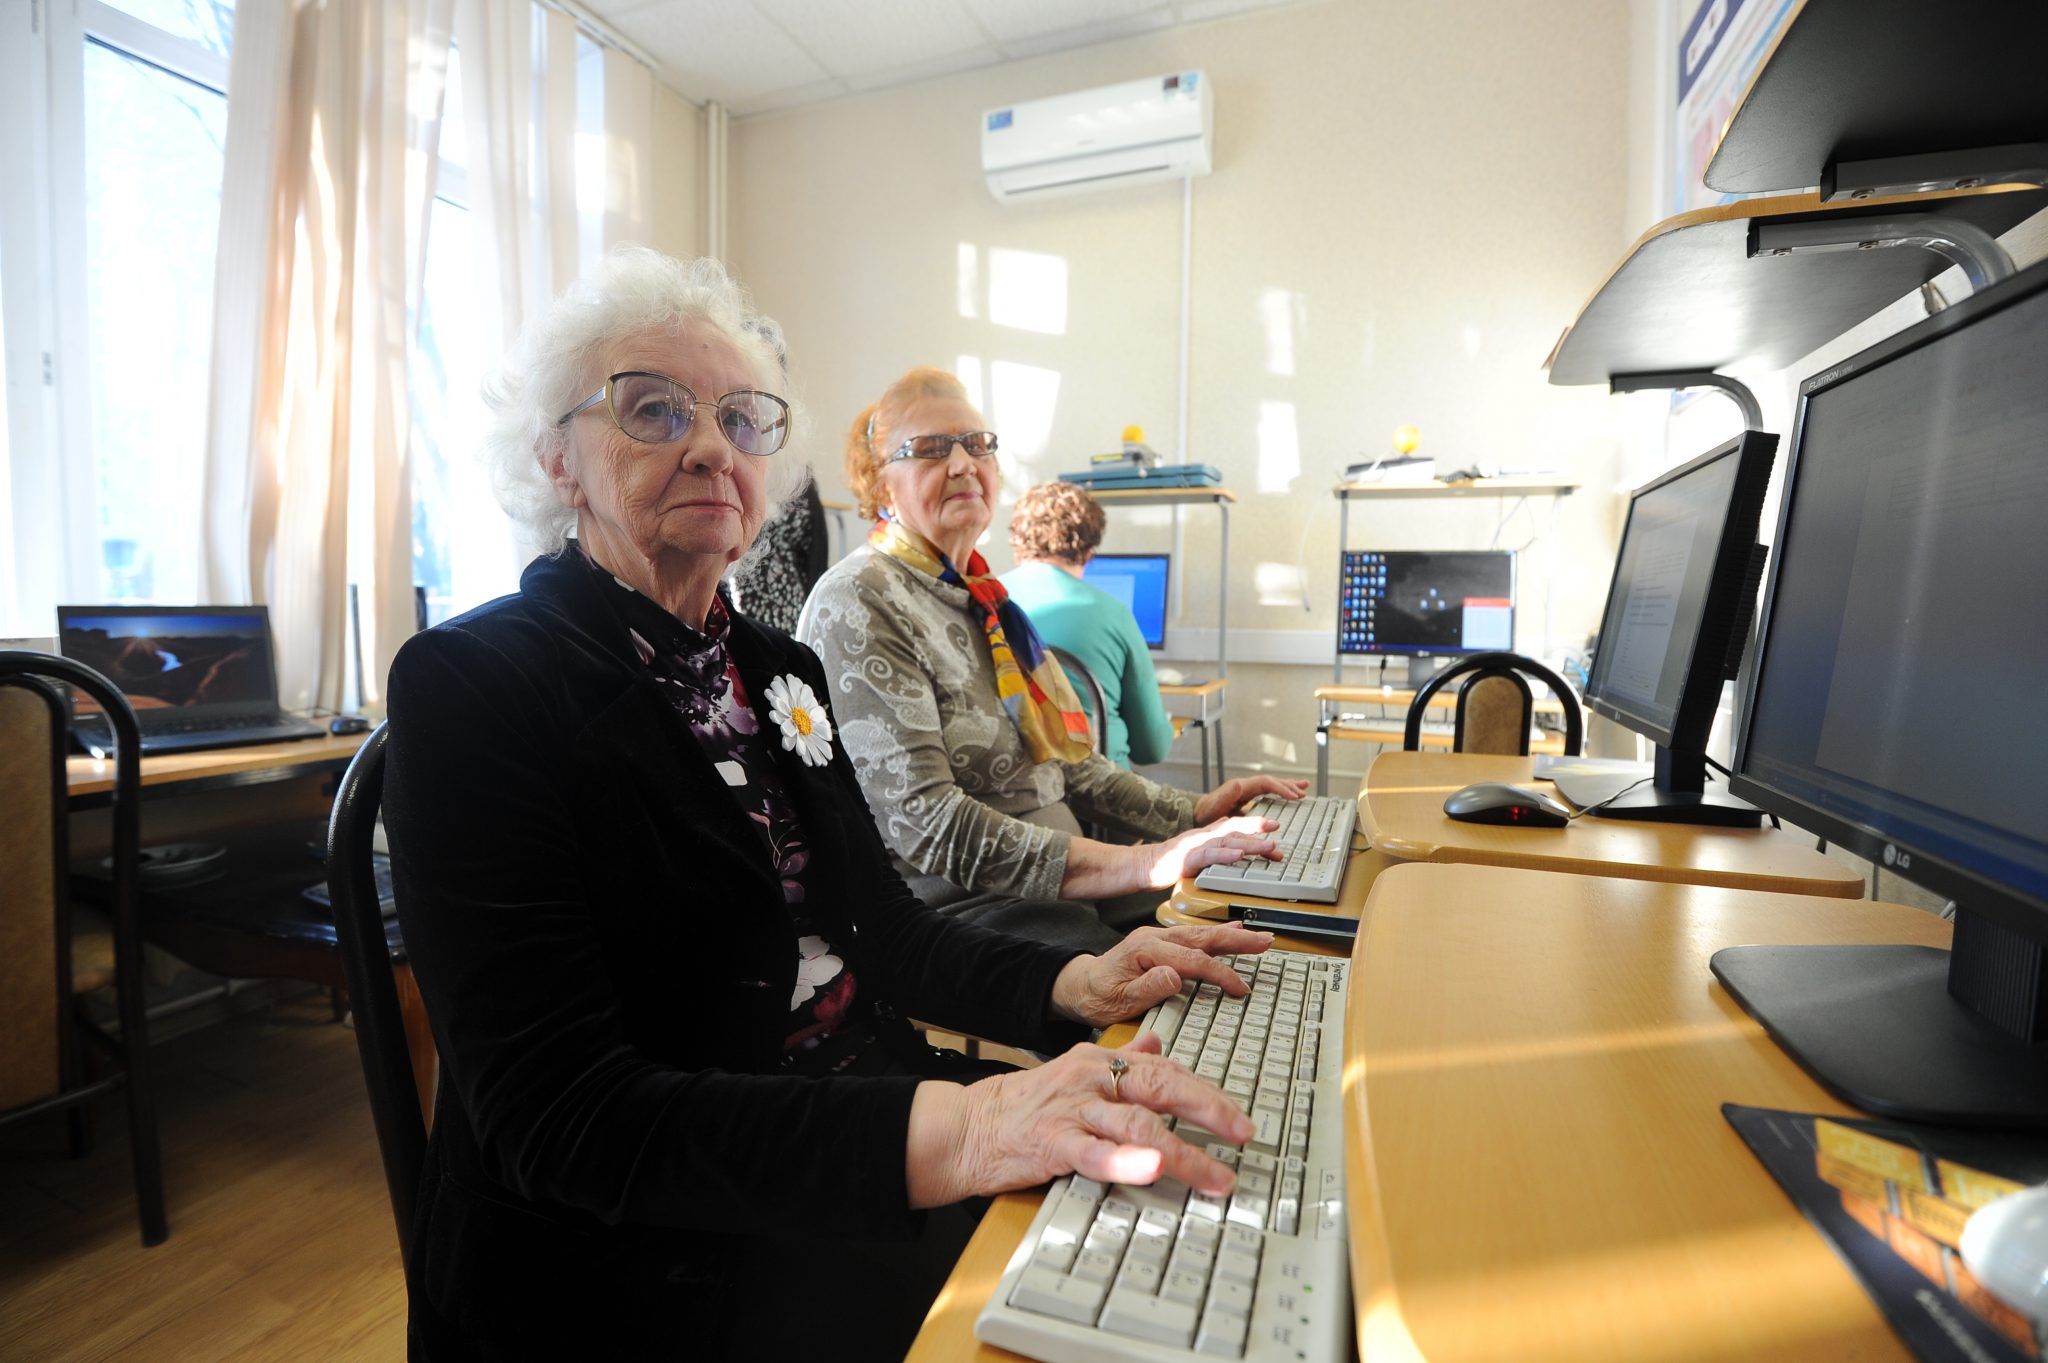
(1159, 1273)
(1315, 833)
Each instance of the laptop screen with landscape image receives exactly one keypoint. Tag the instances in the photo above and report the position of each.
(206, 659)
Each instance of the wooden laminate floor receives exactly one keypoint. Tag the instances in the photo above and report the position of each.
(281, 1246)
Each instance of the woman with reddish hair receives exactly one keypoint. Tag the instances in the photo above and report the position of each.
(968, 740)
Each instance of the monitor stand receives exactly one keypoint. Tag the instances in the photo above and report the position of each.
(1909, 1032)
(1679, 794)
(1423, 666)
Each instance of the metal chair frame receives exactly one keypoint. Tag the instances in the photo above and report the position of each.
(33, 672)
(372, 990)
(1486, 666)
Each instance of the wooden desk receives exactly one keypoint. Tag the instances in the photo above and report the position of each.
(948, 1333)
(219, 791)
(91, 782)
(1333, 722)
(1209, 723)
(1402, 812)
(1537, 1164)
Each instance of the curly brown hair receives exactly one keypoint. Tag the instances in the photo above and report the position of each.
(863, 460)
(1056, 521)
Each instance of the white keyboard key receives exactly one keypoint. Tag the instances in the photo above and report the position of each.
(1184, 1285)
(1055, 1294)
(1233, 1297)
(1095, 1265)
(1139, 1275)
(1236, 1265)
(1055, 1253)
(1222, 1334)
(1153, 1318)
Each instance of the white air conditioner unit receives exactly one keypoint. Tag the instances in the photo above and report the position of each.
(1138, 131)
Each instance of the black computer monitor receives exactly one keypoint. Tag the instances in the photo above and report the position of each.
(1678, 612)
(1429, 604)
(1896, 710)
(1139, 581)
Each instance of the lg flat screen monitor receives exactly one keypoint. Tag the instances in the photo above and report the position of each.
(1895, 709)
(1139, 581)
(1678, 610)
(1429, 603)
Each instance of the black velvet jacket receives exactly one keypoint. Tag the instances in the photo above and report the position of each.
(601, 942)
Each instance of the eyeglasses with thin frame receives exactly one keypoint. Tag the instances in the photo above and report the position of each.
(654, 410)
(978, 444)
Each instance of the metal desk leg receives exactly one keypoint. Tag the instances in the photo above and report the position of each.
(1323, 758)
(1221, 774)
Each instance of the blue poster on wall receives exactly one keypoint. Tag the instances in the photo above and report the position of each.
(1723, 44)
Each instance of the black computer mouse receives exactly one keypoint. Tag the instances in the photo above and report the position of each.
(348, 724)
(1498, 802)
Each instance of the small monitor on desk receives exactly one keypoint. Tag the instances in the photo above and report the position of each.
(1426, 603)
(1895, 709)
(1678, 611)
(1139, 581)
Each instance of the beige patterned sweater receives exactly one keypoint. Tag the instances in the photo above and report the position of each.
(952, 787)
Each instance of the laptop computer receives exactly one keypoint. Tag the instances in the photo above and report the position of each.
(197, 676)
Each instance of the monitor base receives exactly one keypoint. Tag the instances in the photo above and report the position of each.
(1711, 809)
(1878, 1028)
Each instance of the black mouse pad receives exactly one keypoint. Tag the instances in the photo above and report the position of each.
(1891, 1200)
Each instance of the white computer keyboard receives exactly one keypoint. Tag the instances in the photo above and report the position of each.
(1315, 833)
(1114, 1273)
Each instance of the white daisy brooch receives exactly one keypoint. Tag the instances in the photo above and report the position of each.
(806, 728)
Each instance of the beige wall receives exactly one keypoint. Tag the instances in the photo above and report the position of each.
(678, 208)
(1409, 203)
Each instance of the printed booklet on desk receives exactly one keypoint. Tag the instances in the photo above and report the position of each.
(1891, 1199)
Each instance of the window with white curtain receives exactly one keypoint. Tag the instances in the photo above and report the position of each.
(110, 297)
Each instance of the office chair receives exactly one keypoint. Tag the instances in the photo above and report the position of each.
(42, 967)
(381, 1035)
(1495, 705)
(1089, 690)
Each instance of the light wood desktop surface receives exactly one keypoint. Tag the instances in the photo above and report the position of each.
(1537, 1164)
(948, 1333)
(1402, 812)
(87, 777)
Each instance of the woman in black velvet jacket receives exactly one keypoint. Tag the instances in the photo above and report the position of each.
(659, 939)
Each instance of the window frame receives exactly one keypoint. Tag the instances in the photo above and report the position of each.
(51, 469)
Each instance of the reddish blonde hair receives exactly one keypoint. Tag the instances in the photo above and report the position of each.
(1056, 521)
(863, 459)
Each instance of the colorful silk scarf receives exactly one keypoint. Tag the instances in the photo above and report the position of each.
(1034, 689)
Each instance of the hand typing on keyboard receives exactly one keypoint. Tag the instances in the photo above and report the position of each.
(1232, 796)
(1074, 1114)
(1078, 1114)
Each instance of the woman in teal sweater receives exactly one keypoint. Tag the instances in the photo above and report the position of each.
(1055, 531)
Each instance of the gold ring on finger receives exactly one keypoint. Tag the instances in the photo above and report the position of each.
(1118, 1067)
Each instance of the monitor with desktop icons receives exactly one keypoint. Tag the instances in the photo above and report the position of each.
(1427, 604)
(1678, 612)
(1894, 709)
(1139, 581)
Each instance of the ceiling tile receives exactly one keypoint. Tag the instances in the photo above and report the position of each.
(853, 38)
(726, 50)
(1011, 22)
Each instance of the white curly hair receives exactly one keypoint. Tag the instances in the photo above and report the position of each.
(631, 290)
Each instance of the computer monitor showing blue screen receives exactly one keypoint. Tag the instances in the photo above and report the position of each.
(1426, 601)
(1678, 609)
(1895, 709)
(1139, 581)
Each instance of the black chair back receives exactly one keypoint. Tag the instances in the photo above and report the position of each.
(1480, 667)
(372, 991)
(33, 673)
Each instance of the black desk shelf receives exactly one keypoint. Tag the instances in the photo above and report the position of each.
(1689, 296)
(1864, 80)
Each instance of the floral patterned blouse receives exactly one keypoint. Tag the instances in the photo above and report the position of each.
(699, 678)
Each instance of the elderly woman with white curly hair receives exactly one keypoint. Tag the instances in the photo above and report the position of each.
(662, 946)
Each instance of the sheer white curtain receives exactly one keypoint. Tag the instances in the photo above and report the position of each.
(521, 101)
(334, 113)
